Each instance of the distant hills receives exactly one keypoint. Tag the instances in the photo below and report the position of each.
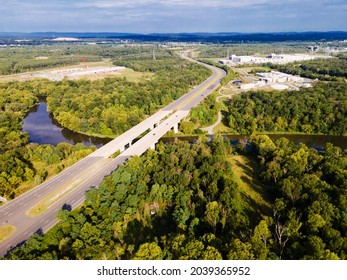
(221, 37)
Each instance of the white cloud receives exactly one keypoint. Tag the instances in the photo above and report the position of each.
(173, 15)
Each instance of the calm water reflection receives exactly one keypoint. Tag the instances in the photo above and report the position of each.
(312, 141)
(43, 129)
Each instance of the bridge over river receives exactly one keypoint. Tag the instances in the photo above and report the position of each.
(36, 210)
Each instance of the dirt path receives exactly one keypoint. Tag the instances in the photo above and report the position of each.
(210, 128)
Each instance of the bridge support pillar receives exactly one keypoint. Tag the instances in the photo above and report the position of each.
(175, 128)
(152, 147)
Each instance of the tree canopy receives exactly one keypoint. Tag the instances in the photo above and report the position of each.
(317, 110)
(182, 202)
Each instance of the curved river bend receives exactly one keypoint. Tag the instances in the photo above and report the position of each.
(43, 129)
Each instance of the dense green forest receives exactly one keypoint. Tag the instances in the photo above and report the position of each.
(182, 202)
(317, 110)
(24, 165)
(323, 69)
(309, 192)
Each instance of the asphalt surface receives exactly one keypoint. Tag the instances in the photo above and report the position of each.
(91, 170)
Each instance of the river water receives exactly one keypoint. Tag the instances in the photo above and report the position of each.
(43, 129)
(313, 141)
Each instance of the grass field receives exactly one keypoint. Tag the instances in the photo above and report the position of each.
(6, 231)
(221, 128)
(246, 174)
(134, 76)
(259, 68)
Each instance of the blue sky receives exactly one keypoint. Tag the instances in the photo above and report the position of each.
(148, 16)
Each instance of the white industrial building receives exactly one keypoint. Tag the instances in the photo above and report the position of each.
(276, 77)
(278, 80)
(272, 58)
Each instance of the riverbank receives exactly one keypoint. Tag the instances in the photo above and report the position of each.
(310, 140)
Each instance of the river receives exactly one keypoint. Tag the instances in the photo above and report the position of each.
(43, 129)
(313, 141)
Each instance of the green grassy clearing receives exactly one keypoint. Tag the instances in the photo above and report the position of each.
(6, 231)
(246, 174)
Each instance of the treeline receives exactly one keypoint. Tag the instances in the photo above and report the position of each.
(18, 60)
(24, 165)
(322, 69)
(320, 109)
(221, 51)
(182, 202)
(111, 106)
(24, 65)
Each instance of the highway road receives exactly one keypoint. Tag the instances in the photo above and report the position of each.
(91, 170)
(185, 102)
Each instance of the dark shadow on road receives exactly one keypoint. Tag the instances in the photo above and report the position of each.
(67, 207)
(37, 233)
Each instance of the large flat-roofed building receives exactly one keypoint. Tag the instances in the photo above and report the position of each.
(272, 58)
(277, 80)
(274, 77)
